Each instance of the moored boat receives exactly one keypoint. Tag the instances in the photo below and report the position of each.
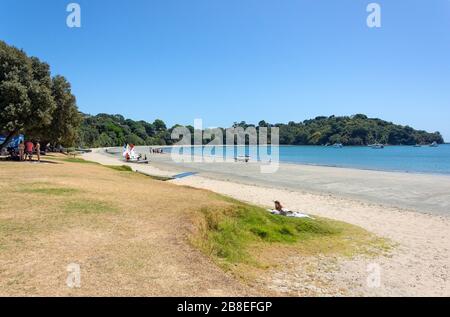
(434, 144)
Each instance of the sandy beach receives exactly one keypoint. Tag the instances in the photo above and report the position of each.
(411, 210)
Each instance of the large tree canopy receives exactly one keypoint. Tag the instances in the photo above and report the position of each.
(33, 103)
(26, 101)
(66, 119)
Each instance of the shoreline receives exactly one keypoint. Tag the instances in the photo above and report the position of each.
(407, 271)
(421, 192)
(312, 164)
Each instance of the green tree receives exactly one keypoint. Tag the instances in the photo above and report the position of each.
(159, 125)
(66, 119)
(26, 101)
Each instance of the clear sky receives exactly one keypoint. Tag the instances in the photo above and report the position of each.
(233, 60)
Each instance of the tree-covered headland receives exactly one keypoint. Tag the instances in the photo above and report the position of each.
(113, 130)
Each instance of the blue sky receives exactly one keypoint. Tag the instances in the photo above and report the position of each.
(233, 60)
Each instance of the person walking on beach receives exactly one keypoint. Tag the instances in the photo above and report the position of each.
(21, 150)
(38, 150)
(29, 150)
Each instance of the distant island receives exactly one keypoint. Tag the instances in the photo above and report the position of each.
(105, 130)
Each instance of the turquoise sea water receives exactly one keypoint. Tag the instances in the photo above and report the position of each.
(392, 158)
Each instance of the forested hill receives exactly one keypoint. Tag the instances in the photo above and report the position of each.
(353, 130)
(114, 130)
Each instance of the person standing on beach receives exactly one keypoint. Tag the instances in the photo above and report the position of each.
(38, 151)
(29, 150)
(21, 150)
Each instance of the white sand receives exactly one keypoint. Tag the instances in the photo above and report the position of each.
(418, 266)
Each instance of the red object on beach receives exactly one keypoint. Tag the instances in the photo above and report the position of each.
(29, 146)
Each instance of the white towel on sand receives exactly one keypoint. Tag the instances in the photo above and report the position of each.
(294, 214)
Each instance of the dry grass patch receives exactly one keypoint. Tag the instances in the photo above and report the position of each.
(129, 233)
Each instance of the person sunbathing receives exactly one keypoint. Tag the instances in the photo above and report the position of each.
(280, 209)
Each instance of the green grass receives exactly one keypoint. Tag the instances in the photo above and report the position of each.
(55, 191)
(88, 207)
(233, 234)
(77, 160)
(160, 178)
(120, 168)
(231, 231)
(69, 159)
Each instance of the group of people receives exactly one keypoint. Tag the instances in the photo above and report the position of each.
(27, 149)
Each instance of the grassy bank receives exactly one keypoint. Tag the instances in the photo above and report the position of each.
(134, 235)
(239, 234)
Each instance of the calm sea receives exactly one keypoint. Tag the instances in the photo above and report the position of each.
(392, 158)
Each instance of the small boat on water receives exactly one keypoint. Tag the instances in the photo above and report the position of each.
(434, 144)
(377, 146)
(338, 145)
(418, 145)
